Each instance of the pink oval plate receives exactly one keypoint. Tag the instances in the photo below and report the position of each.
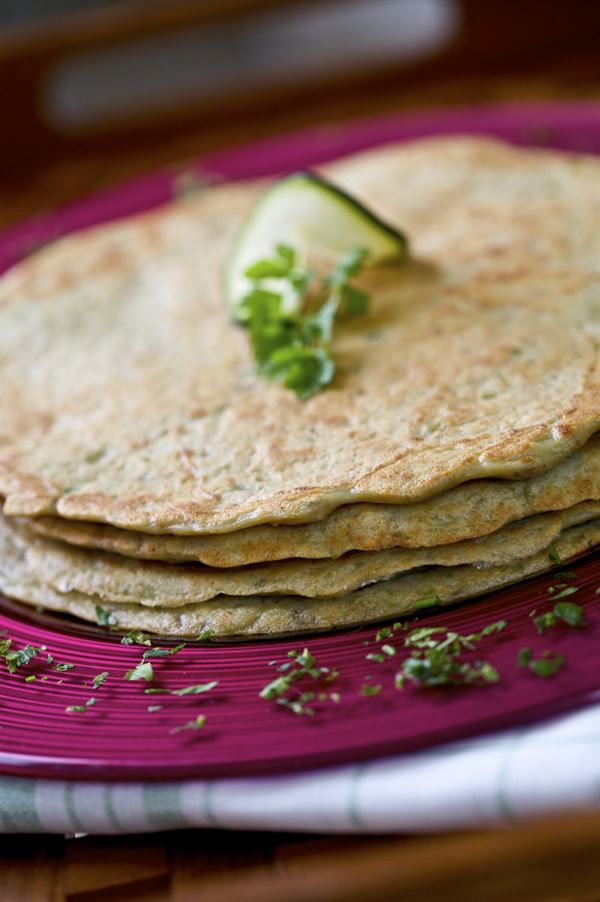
(119, 738)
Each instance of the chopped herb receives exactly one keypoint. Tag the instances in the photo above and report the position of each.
(63, 667)
(79, 709)
(554, 555)
(544, 621)
(300, 667)
(428, 602)
(524, 657)
(196, 724)
(569, 612)
(291, 323)
(204, 636)
(196, 690)
(136, 637)
(368, 690)
(488, 673)
(142, 671)
(100, 679)
(569, 590)
(31, 678)
(435, 659)
(384, 633)
(104, 617)
(545, 666)
(162, 652)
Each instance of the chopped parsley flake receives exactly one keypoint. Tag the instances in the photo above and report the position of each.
(428, 602)
(569, 590)
(369, 690)
(15, 658)
(104, 617)
(196, 724)
(196, 690)
(136, 637)
(384, 633)
(545, 666)
(162, 652)
(554, 555)
(100, 679)
(142, 671)
(80, 709)
(204, 636)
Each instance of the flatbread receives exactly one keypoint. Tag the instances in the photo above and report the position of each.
(468, 511)
(253, 618)
(121, 580)
(129, 398)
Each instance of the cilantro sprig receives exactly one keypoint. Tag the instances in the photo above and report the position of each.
(290, 313)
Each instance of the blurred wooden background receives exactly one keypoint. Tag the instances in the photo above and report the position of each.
(551, 861)
(492, 51)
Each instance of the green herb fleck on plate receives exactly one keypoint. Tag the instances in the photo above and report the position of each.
(196, 724)
(142, 671)
(100, 679)
(545, 666)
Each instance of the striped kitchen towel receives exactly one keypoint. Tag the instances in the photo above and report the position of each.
(481, 782)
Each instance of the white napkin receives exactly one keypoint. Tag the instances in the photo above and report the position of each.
(476, 783)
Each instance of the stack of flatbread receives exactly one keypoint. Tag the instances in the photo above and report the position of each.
(148, 470)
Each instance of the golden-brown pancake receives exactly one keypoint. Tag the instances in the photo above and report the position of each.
(129, 398)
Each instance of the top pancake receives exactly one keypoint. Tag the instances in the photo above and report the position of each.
(130, 399)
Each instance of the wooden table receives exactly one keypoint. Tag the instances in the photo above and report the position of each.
(554, 860)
